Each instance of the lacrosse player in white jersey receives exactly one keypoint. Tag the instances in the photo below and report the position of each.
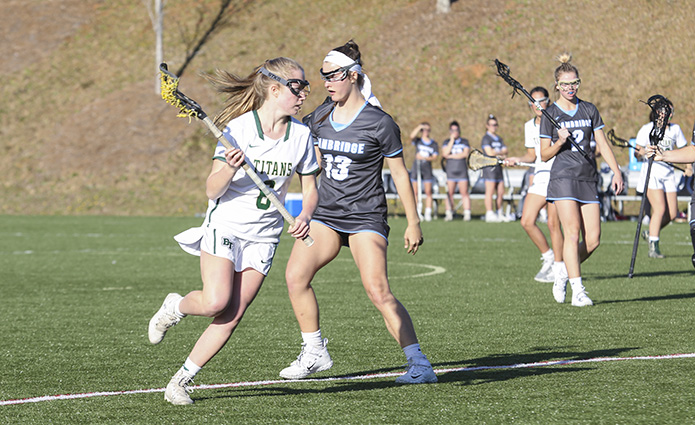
(535, 197)
(684, 155)
(354, 137)
(237, 240)
(662, 188)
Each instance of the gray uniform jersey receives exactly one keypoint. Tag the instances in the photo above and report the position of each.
(457, 169)
(351, 191)
(427, 150)
(572, 176)
(581, 122)
(492, 173)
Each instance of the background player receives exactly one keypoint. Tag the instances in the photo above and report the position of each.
(455, 151)
(535, 198)
(662, 188)
(493, 145)
(426, 151)
(573, 176)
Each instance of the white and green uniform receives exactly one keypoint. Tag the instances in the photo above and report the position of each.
(351, 191)
(541, 172)
(661, 176)
(243, 211)
(572, 176)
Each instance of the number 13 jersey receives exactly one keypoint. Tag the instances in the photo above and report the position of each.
(351, 191)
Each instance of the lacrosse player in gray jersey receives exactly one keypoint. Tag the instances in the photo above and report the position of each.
(573, 176)
(493, 145)
(455, 151)
(354, 137)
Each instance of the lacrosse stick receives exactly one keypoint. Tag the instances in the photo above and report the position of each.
(661, 112)
(478, 160)
(503, 71)
(190, 108)
(622, 143)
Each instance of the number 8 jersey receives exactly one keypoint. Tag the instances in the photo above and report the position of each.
(243, 209)
(351, 191)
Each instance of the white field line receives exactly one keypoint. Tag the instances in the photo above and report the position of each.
(343, 378)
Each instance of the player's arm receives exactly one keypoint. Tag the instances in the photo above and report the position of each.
(222, 173)
(607, 153)
(529, 156)
(401, 178)
(548, 149)
(684, 155)
(310, 200)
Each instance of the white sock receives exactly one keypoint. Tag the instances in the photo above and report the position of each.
(190, 368)
(413, 351)
(559, 268)
(653, 239)
(576, 282)
(312, 338)
(500, 213)
(549, 255)
(176, 308)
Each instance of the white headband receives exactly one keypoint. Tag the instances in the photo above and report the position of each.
(343, 60)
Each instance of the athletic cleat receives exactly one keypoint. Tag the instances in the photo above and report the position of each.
(491, 217)
(310, 360)
(546, 273)
(654, 251)
(560, 289)
(163, 319)
(178, 389)
(645, 234)
(448, 215)
(466, 215)
(579, 297)
(417, 374)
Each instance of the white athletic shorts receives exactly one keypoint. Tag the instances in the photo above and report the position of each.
(540, 184)
(667, 183)
(242, 253)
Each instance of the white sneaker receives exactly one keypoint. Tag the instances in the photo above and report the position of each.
(560, 289)
(491, 217)
(467, 215)
(163, 319)
(448, 215)
(310, 360)
(546, 273)
(579, 296)
(428, 215)
(417, 374)
(178, 389)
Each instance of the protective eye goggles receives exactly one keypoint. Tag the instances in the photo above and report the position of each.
(337, 74)
(566, 85)
(541, 100)
(296, 86)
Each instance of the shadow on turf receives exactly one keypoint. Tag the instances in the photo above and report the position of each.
(654, 298)
(638, 275)
(463, 377)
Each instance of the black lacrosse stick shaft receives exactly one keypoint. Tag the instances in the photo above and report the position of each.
(660, 107)
(503, 71)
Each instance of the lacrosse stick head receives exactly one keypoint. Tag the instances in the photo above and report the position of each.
(615, 140)
(660, 116)
(171, 94)
(503, 72)
(478, 160)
